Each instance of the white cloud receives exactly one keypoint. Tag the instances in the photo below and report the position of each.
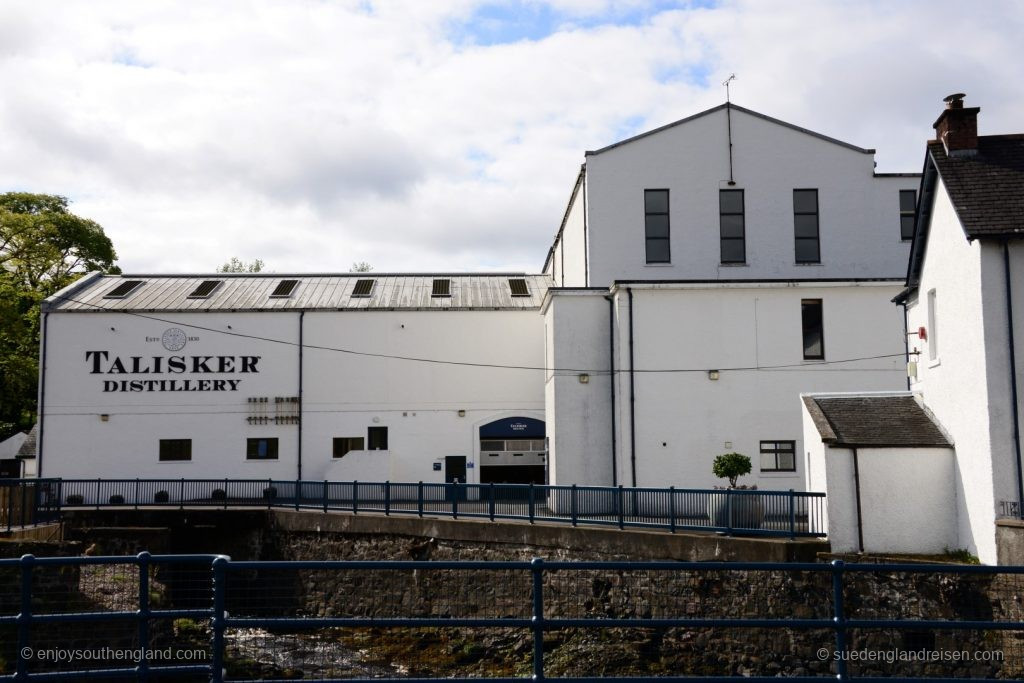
(315, 134)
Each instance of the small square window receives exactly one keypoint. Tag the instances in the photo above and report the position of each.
(123, 289)
(377, 438)
(344, 444)
(284, 289)
(205, 289)
(441, 288)
(362, 288)
(517, 286)
(172, 450)
(778, 456)
(261, 449)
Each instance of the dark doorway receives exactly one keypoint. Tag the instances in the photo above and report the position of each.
(455, 473)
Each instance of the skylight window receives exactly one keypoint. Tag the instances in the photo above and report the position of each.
(518, 287)
(363, 288)
(284, 289)
(123, 289)
(441, 288)
(205, 289)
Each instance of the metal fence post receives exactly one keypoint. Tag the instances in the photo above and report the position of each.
(792, 515)
(618, 505)
(326, 487)
(419, 499)
(136, 493)
(225, 493)
(491, 505)
(455, 498)
(98, 492)
(181, 496)
(572, 504)
(728, 510)
(387, 498)
(10, 506)
(839, 618)
(672, 509)
(298, 494)
(25, 616)
(144, 614)
(355, 497)
(217, 621)
(537, 567)
(531, 502)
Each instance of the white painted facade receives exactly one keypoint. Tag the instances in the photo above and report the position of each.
(904, 496)
(678, 418)
(963, 366)
(602, 237)
(96, 425)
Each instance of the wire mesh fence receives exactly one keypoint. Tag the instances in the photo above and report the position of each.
(203, 617)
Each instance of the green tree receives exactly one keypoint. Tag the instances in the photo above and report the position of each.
(237, 265)
(361, 267)
(43, 248)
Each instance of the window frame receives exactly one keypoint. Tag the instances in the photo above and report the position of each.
(908, 213)
(667, 239)
(353, 443)
(933, 325)
(804, 303)
(174, 444)
(742, 239)
(370, 440)
(777, 451)
(817, 227)
(441, 291)
(273, 444)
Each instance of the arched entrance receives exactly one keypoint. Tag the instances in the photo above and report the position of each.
(512, 451)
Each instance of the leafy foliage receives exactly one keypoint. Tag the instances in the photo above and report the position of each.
(731, 466)
(43, 248)
(237, 265)
(361, 267)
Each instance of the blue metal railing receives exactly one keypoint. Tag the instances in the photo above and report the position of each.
(750, 512)
(537, 617)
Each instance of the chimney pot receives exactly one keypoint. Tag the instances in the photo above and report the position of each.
(957, 127)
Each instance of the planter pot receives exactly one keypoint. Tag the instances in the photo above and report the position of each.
(747, 510)
(161, 497)
(219, 494)
(75, 499)
(117, 499)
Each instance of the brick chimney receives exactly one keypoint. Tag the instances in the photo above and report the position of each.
(957, 127)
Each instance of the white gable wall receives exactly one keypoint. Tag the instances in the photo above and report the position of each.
(858, 212)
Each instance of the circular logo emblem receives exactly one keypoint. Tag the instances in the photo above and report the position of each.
(174, 339)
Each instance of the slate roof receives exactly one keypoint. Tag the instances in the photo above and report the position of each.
(891, 420)
(28, 447)
(987, 188)
(314, 291)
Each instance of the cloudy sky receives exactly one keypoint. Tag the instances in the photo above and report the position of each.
(438, 134)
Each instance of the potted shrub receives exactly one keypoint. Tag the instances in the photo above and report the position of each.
(219, 494)
(75, 499)
(161, 497)
(117, 499)
(735, 511)
(270, 493)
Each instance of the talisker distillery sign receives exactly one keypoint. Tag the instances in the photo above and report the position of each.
(155, 373)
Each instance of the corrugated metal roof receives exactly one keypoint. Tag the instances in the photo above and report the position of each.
(251, 292)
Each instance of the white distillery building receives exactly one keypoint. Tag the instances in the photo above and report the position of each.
(964, 302)
(704, 275)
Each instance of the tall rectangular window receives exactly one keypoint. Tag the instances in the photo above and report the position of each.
(933, 326)
(805, 222)
(344, 444)
(377, 438)
(172, 450)
(778, 456)
(908, 207)
(813, 329)
(261, 449)
(730, 210)
(656, 230)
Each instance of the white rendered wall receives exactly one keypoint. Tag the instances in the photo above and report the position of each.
(858, 212)
(573, 251)
(578, 415)
(816, 478)
(77, 443)
(684, 419)
(955, 386)
(418, 402)
(344, 394)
